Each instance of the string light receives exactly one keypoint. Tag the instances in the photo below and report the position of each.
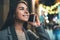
(50, 9)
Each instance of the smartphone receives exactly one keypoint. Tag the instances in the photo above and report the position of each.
(32, 18)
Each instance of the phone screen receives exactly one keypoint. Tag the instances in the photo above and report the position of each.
(32, 18)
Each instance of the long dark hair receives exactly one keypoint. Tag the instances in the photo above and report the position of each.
(10, 18)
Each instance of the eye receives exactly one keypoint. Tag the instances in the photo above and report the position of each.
(21, 8)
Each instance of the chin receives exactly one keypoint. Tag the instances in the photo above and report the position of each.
(25, 20)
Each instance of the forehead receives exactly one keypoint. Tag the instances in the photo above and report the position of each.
(22, 5)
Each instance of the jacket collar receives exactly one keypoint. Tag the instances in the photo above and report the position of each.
(12, 33)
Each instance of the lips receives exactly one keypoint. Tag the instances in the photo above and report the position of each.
(26, 16)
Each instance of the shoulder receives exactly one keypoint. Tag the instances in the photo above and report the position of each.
(3, 34)
(3, 30)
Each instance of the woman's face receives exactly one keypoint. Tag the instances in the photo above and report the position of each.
(22, 12)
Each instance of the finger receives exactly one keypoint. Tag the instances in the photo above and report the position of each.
(37, 20)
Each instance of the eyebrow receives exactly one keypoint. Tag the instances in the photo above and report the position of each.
(22, 7)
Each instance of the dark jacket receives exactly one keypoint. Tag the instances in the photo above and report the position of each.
(9, 34)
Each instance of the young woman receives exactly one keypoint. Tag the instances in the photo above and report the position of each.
(13, 28)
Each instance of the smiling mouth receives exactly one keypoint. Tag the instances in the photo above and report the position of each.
(27, 16)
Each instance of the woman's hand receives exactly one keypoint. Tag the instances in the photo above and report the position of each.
(35, 23)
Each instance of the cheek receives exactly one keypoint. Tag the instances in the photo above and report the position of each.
(19, 15)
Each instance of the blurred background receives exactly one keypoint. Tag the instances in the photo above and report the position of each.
(48, 11)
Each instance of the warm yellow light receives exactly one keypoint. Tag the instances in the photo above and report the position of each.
(48, 8)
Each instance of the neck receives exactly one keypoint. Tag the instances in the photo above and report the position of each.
(19, 26)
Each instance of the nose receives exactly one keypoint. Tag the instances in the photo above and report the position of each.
(26, 11)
